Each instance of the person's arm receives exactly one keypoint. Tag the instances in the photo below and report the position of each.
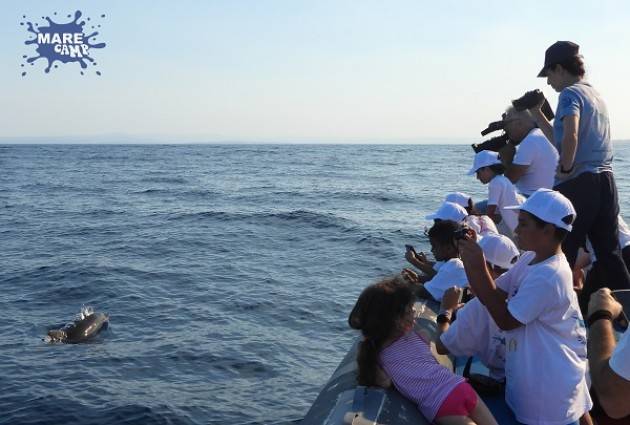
(450, 302)
(612, 390)
(542, 122)
(491, 211)
(569, 142)
(420, 261)
(483, 286)
(515, 171)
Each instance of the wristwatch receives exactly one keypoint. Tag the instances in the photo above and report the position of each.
(598, 315)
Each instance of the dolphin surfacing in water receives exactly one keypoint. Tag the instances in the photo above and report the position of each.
(81, 330)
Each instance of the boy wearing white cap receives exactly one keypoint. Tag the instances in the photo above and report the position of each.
(536, 306)
(449, 211)
(501, 192)
(474, 333)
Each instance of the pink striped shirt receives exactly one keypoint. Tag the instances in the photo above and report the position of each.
(416, 374)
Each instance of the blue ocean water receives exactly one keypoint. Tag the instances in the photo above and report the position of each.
(228, 271)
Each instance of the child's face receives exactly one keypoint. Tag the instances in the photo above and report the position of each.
(484, 175)
(442, 252)
(408, 319)
(527, 234)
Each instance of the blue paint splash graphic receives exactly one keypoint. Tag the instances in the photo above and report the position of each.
(62, 42)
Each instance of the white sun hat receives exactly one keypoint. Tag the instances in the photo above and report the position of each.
(550, 206)
(499, 250)
(484, 159)
(449, 211)
(458, 198)
(481, 224)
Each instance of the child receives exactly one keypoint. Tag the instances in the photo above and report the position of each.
(474, 333)
(451, 270)
(449, 211)
(481, 224)
(535, 305)
(384, 314)
(501, 191)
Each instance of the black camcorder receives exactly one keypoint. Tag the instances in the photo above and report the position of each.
(495, 144)
(531, 99)
(527, 101)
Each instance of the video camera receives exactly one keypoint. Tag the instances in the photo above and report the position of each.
(527, 101)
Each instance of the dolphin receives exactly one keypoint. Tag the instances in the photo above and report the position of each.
(81, 330)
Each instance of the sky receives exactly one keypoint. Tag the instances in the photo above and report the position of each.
(298, 71)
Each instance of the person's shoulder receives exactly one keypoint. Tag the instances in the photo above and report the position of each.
(552, 270)
(535, 138)
(454, 264)
(500, 180)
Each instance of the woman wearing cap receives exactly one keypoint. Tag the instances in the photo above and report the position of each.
(581, 133)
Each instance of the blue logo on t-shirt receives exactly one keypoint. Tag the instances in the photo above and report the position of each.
(62, 42)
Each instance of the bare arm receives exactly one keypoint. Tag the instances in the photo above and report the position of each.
(420, 261)
(569, 141)
(543, 123)
(484, 287)
(491, 211)
(515, 171)
(611, 388)
(450, 302)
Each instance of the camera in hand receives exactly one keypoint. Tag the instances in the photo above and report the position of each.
(493, 126)
(531, 99)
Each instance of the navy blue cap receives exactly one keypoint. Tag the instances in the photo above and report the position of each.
(558, 52)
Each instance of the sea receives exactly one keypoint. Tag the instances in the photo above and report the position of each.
(228, 271)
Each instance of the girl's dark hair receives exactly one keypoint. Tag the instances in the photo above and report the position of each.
(497, 168)
(574, 66)
(378, 313)
(443, 232)
(559, 233)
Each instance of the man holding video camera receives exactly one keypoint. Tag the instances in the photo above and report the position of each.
(534, 163)
(609, 362)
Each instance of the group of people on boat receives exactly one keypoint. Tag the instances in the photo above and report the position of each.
(538, 259)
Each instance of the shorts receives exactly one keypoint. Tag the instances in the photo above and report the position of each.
(460, 402)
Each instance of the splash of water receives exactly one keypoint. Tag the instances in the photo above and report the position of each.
(85, 312)
(62, 42)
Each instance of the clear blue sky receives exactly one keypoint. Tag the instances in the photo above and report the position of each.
(317, 70)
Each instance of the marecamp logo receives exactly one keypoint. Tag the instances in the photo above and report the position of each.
(63, 43)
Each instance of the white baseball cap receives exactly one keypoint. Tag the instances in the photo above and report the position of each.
(499, 250)
(550, 206)
(484, 159)
(449, 211)
(481, 224)
(458, 198)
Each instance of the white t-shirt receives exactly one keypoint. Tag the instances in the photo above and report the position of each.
(541, 157)
(502, 193)
(474, 333)
(545, 364)
(620, 360)
(450, 274)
